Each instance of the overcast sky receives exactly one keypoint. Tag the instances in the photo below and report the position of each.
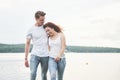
(85, 22)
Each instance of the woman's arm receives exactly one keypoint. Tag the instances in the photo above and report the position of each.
(63, 46)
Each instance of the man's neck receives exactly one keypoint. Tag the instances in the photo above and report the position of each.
(38, 25)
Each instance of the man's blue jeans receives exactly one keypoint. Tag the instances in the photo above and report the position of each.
(56, 67)
(34, 62)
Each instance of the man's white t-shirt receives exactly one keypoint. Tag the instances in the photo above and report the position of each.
(39, 39)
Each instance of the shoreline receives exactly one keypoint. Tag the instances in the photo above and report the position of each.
(83, 66)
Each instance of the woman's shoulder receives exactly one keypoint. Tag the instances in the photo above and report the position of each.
(61, 34)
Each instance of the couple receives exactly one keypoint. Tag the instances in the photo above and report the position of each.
(48, 49)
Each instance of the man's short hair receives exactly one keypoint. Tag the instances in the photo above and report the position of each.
(39, 13)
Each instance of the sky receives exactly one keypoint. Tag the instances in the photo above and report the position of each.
(84, 22)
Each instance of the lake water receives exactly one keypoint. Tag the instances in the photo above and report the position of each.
(80, 66)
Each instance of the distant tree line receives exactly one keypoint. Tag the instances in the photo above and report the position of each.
(84, 49)
(19, 48)
(11, 48)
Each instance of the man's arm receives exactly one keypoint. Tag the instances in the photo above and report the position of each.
(27, 48)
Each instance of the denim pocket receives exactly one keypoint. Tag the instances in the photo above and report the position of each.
(63, 60)
(32, 58)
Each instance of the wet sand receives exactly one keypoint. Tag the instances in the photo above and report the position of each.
(80, 66)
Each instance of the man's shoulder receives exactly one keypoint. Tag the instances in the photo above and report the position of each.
(32, 27)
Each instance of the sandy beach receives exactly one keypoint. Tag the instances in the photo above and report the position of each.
(80, 66)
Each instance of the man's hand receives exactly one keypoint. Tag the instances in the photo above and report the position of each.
(26, 63)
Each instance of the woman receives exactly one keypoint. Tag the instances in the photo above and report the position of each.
(57, 46)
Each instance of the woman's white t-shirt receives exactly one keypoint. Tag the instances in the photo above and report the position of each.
(55, 47)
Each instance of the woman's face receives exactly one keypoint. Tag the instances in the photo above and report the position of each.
(49, 31)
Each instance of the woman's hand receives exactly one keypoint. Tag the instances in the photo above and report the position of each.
(57, 58)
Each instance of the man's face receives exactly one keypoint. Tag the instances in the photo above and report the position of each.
(40, 21)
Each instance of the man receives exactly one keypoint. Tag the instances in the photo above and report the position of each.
(39, 53)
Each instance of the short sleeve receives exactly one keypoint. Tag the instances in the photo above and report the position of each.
(29, 34)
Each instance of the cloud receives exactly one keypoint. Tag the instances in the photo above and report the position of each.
(82, 20)
(5, 4)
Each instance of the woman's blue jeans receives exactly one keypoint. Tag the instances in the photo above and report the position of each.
(34, 62)
(56, 67)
